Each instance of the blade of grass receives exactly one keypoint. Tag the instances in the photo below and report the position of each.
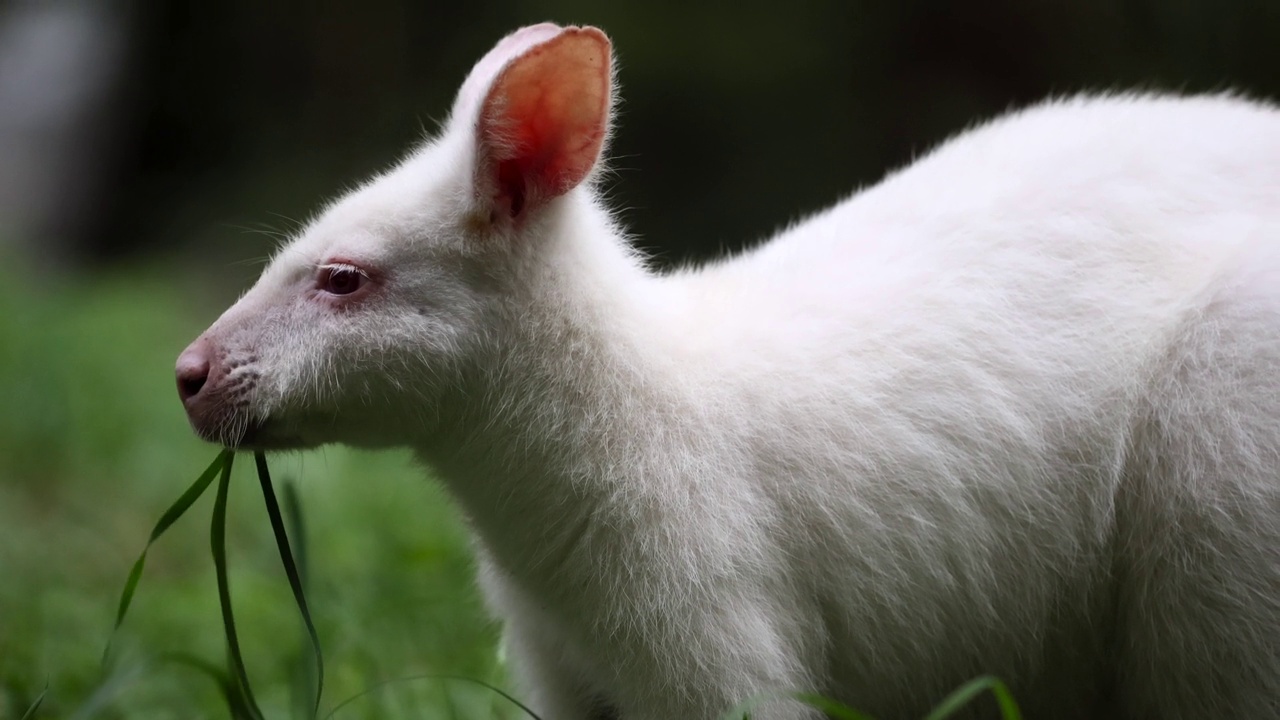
(297, 529)
(967, 692)
(829, 707)
(303, 683)
(305, 678)
(35, 704)
(234, 699)
(169, 517)
(291, 571)
(102, 696)
(433, 676)
(218, 544)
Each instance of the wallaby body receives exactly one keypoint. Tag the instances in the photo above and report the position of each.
(1013, 411)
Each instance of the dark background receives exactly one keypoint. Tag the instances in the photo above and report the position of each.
(199, 123)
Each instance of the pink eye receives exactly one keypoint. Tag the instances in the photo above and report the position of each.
(341, 279)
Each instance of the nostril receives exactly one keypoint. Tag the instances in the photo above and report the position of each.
(189, 386)
(193, 373)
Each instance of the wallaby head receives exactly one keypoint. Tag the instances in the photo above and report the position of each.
(362, 324)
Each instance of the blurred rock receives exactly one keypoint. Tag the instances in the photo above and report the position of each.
(62, 67)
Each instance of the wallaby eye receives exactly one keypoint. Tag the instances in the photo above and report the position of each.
(341, 279)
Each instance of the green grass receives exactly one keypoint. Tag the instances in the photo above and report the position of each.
(94, 446)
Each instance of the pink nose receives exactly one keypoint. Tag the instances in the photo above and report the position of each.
(193, 370)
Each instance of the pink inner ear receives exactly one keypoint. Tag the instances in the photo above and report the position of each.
(482, 75)
(544, 121)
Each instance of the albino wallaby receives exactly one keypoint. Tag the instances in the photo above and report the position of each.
(1014, 410)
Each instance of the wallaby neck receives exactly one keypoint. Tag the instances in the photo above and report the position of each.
(577, 404)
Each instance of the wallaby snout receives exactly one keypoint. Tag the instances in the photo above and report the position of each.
(214, 393)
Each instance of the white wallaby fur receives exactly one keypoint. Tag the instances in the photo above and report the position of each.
(1015, 410)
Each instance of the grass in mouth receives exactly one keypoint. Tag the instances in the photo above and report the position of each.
(232, 678)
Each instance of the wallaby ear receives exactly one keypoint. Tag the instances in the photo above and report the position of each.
(542, 121)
